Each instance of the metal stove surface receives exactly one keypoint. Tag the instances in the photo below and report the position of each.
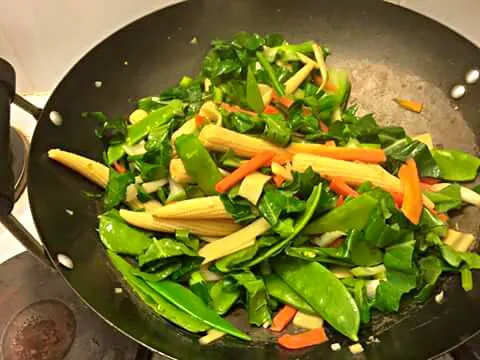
(41, 318)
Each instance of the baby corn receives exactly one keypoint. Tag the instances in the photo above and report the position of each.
(210, 207)
(178, 172)
(220, 139)
(92, 170)
(148, 221)
(352, 173)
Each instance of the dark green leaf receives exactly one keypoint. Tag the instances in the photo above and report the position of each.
(254, 98)
(243, 123)
(116, 188)
(257, 305)
(224, 295)
(229, 262)
(276, 129)
(250, 41)
(184, 236)
(303, 183)
(274, 203)
(240, 209)
(160, 273)
(430, 271)
(112, 131)
(405, 149)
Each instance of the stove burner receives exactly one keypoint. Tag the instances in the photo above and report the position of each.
(19, 149)
(43, 330)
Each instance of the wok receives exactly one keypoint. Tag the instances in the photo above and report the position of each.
(389, 51)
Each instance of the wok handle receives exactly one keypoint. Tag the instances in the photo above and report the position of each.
(7, 95)
(7, 92)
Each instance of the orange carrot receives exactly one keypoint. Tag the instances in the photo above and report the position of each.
(283, 100)
(340, 201)
(246, 168)
(425, 186)
(199, 120)
(414, 106)
(342, 188)
(330, 143)
(302, 340)
(282, 158)
(283, 318)
(412, 197)
(429, 181)
(306, 111)
(235, 108)
(398, 198)
(278, 180)
(323, 126)
(374, 156)
(443, 217)
(330, 86)
(119, 167)
(270, 109)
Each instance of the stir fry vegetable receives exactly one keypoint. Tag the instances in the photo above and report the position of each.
(255, 185)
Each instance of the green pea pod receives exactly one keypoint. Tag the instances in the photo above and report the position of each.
(354, 214)
(323, 291)
(119, 237)
(280, 290)
(224, 296)
(456, 165)
(254, 98)
(193, 305)
(139, 130)
(271, 74)
(198, 163)
(114, 153)
(160, 305)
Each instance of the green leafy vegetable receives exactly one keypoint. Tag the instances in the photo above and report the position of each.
(224, 294)
(446, 199)
(199, 287)
(402, 150)
(272, 76)
(254, 98)
(257, 305)
(430, 270)
(113, 129)
(456, 165)
(163, 249)
(276, 129)
(119, 237)
(240, 209)
(188, 239)
(116, 188)
(354, 214)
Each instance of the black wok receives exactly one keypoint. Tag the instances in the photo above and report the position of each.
(389, 51)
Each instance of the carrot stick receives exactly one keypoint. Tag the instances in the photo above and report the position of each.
(270, 109)
(119, 167)
(443, 217)
(323, 126)
(278, 180)
(329, 86)
(398, 198)
(199, 120)
(283, 100)
(246, 168)
(340, 201)
(412, 197)
(342, 188)
(282, 158)
(305, 339)
(374, 156)
(306, 111)
(283, 318)
(429, 181)
(235, 108)
(414, 106)
(330, 143)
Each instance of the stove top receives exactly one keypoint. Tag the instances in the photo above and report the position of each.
(41, 318)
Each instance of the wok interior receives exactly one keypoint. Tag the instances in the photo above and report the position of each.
(381, 68)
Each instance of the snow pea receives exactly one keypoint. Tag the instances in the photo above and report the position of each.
(118, 237)
(354, 214)
(159, 304)
(198, 163)
(193, 305)
(280, 290)
(326, 294)
(139, 130)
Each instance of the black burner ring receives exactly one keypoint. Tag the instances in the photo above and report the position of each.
(19, 147)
